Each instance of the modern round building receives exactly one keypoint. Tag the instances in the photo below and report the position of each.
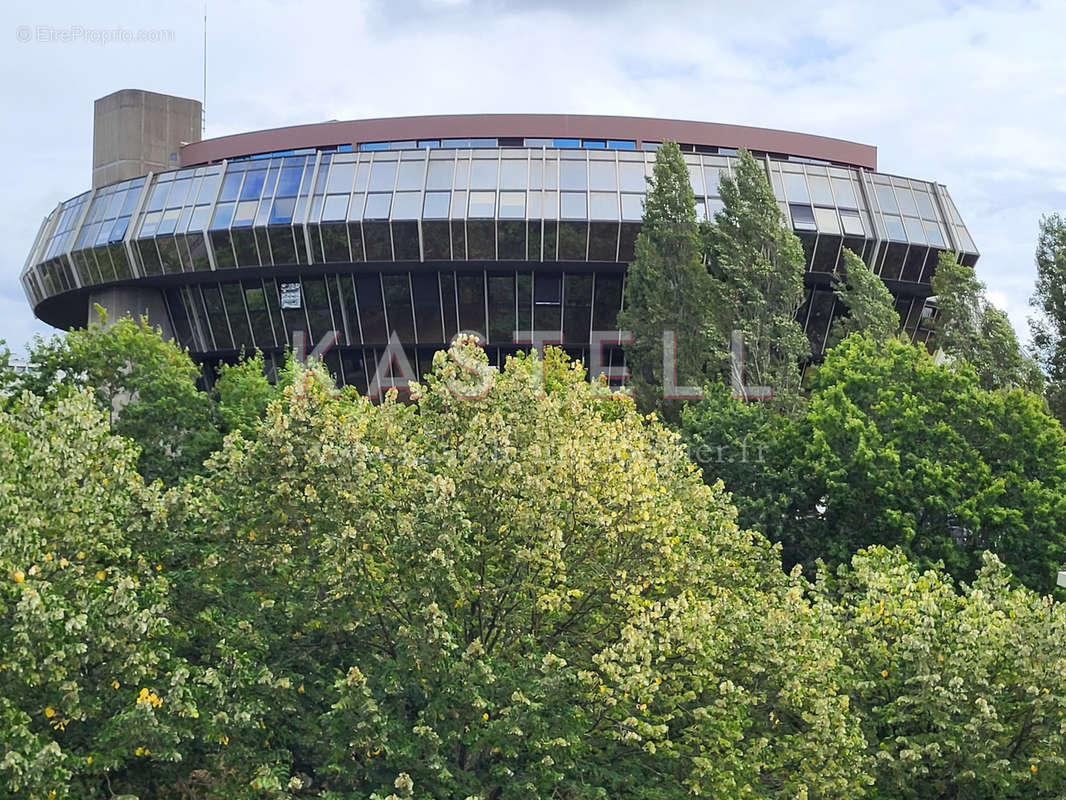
(426, 226)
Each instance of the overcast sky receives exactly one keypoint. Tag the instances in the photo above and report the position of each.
(969, 95)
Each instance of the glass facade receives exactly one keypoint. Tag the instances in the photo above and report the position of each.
(429, 237)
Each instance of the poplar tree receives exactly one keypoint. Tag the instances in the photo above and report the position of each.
(1048, 325)
(756, 266)
(868, 302)
(968, 327)
(667, 286)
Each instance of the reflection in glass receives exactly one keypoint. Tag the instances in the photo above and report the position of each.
(371, 308)
(398, 306)
(502, 323)
(377, 241)
(436, 241)
(573, 241)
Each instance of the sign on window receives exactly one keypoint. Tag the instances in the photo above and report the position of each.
(290, 295)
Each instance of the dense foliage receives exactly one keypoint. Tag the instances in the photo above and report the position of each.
(517, 585)
(895, 449)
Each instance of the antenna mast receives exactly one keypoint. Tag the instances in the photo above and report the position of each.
(203, 105)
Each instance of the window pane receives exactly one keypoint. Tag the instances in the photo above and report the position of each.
(886, 198)
(827, 219)
(932, 232)
(852, 223)
(410, 175)
(603, 176)
(398, 306)
(501, 308)
(603, 206)
(513, 174)
(482, 204)
(483, 174)
(383, 176)
(820, 192)
(845, 193)
(440, 174)
(796, 188)
(906, 201)
(371, 309)
(695, 179)
(572, 175)
(377, 206)
(336, 207)
(512, 205)
(894, 225)
(802, 218)
(427, 308)
(341, 177)
(574, 205)
(915, 231)
(405, 205)
(632, 206)
(925, 205)
(436, 205)
(632, 177)
(471, 290)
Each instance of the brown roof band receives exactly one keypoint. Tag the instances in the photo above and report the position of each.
(533, 126)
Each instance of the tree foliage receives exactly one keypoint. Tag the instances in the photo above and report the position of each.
(144, 384)
(869, 304)
(516, 586)
(1048, 324)
(961, 692)
(667, 286)
(896, 450)
(91, 695)
(968, 327)
(524, 594)
(756, 264)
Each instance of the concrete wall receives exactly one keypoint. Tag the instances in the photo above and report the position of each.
(135, 132)
(134, 301)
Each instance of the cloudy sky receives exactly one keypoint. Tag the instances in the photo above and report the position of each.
(972, 95)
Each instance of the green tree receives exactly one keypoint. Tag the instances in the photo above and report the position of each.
(667, 287)
(502, 592)
(969, 328)
(961, 693)
(897, 450)
(756, 264)
(144, 384)
(93, 702)
(732, 440)
(244, 392)
(869, 304)
(1048, 324)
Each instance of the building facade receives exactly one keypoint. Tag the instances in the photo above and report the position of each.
(425, 226)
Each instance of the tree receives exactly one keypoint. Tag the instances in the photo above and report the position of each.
(93, 702)
(144, 384)
(244, 392)
(969, 328)
(757, 266)
(869, 304)
(1048, 324)
(667, 287)
(961, 692)
(899, 451)
(501, 593)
